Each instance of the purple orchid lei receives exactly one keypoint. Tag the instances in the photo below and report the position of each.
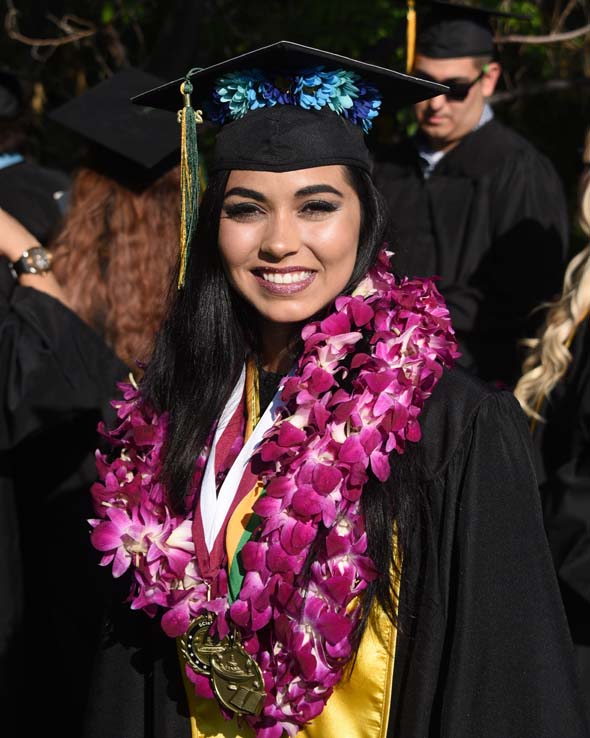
(360, 385)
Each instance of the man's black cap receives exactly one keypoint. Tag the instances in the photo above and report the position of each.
(449, 30)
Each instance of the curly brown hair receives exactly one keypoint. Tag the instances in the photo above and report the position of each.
(115, 255)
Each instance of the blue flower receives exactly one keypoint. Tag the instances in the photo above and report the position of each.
(342, 89)
(366, 107)
(237, 93)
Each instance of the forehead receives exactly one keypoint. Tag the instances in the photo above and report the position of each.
(275, 182)
(440, 69)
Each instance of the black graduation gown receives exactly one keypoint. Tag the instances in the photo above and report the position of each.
(57, 378)
(483, 651)
(562, 444)
(491, 222)
(36, 196)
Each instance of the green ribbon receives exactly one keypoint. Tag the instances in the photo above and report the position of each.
(236, 571)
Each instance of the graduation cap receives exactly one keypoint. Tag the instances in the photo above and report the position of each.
(449, 30)
(132, 144)
(281, 107)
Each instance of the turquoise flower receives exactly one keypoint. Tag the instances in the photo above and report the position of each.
(342, 91)
(239, 92)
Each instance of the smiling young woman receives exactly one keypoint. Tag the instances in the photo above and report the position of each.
(333, 531)
(289, 241)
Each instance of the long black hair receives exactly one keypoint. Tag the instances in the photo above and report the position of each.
(200, 352)
(200, 349)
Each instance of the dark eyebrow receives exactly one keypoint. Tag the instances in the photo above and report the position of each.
(303, 192)
(316, 189)
(245, 192)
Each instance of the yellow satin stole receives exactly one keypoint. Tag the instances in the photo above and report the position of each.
(360, 702)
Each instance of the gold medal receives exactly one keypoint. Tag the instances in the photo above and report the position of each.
(237, 680)
(198, 645)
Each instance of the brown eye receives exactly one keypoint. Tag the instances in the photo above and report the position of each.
(319, 207)
(242, 211)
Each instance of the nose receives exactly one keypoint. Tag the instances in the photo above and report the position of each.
(281, 237)
(436, 103)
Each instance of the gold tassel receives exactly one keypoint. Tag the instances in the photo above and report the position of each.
(39, 98)
(410, 35)
(189, 175)
(185, 180)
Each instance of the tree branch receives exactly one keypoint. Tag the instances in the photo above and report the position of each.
(551, 85)
(564, 15)
(548, 39)
(13, 31)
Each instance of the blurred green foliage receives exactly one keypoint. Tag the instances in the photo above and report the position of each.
(169, 36)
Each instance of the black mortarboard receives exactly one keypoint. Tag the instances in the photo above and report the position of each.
(286, 107)
(449, 30)
(282, 136)
(133, 144)
(397, 89)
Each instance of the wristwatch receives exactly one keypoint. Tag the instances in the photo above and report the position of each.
(36, 260)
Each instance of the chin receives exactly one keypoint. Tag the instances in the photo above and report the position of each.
(290, 315)
(288, 318)
(436, 133)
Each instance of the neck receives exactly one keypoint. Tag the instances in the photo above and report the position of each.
(444, 146)
(277, 343)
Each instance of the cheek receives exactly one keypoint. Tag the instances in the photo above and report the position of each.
(419, 109)
(336, 245)
(235, 243)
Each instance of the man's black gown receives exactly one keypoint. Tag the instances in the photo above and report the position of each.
(491, 222)
(484, 649)
(562, 444)
(57, 378)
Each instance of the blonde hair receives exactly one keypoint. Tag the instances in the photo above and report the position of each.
(549, 355)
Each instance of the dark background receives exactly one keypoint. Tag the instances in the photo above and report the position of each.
(61, 47)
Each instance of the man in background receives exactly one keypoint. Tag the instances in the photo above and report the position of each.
(471, 200)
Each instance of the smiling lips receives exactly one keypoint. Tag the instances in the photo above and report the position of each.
(284, 281)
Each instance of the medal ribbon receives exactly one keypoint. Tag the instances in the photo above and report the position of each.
(221, 508)
(215, 506)
(244, 522)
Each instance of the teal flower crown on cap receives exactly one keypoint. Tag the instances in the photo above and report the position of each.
(342, 91)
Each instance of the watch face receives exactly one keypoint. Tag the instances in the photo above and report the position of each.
(35, 260)
(38, 260)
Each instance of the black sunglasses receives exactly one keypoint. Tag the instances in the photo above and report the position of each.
(457, 90)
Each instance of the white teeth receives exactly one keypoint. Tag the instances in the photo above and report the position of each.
(285, 277)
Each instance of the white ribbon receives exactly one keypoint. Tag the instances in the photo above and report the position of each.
(214, 507)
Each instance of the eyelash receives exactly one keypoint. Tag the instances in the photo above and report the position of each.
(320, 206)
(241, 211)
(247, 211)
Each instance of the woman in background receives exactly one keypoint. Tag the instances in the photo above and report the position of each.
(78, 318)
(554, 391)
(114, 256)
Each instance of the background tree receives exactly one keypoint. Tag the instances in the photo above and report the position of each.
(60, 47)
